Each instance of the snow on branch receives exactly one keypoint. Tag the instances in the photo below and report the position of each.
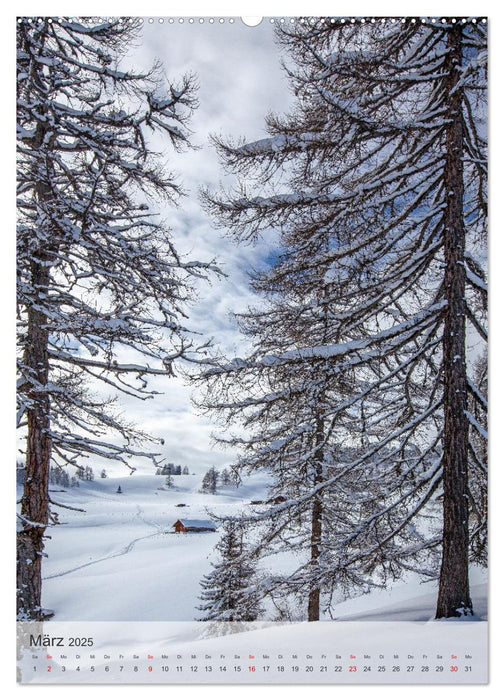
(479, 428)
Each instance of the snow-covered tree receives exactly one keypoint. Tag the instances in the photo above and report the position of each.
(88, 474)
(185, 470)
(119, 489)
(225, 477)
(376, 184)
(59, 476)
(97, 270)
(103, 474)
(169, 482)
(229, 592)
(209, 483)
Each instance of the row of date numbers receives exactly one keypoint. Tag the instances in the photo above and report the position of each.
(266, 669)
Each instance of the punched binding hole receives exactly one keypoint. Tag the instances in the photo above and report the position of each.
(251, 21)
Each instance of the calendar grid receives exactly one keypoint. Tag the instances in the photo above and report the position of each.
(332, 652)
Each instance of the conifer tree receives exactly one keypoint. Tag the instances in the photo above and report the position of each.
(225, 477)
(88, 474)
(209, 483)
(376, 184)
(97, 270)
(229, 593)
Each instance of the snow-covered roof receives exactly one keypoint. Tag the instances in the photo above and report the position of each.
(197, 523)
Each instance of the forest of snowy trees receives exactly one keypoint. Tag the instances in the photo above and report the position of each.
(359, 398)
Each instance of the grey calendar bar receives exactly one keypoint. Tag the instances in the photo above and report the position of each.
(314, 652)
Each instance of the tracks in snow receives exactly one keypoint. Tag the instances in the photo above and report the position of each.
(125, 550)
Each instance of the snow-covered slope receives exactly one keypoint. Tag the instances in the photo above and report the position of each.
(410, 601)
(121, 561)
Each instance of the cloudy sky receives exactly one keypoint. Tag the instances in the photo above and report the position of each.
(240, 80)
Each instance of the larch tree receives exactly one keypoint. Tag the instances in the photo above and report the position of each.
(289, 433)
(376, 183)
(102, 291)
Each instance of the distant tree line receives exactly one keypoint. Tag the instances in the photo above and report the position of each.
(170, 468)
(59, 476)
(213, 478)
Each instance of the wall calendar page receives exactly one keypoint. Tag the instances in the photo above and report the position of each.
(252, 359)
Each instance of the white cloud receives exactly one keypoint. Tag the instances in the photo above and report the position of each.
(240, 80)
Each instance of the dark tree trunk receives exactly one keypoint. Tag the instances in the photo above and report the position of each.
(316, 525)
(453, 597)
(316, 533)
(35, 500)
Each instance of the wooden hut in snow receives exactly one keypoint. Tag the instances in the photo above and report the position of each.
(194, 526)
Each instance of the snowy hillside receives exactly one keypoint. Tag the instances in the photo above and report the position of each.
(121, 560)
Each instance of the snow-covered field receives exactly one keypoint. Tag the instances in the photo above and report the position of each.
(121, 561)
